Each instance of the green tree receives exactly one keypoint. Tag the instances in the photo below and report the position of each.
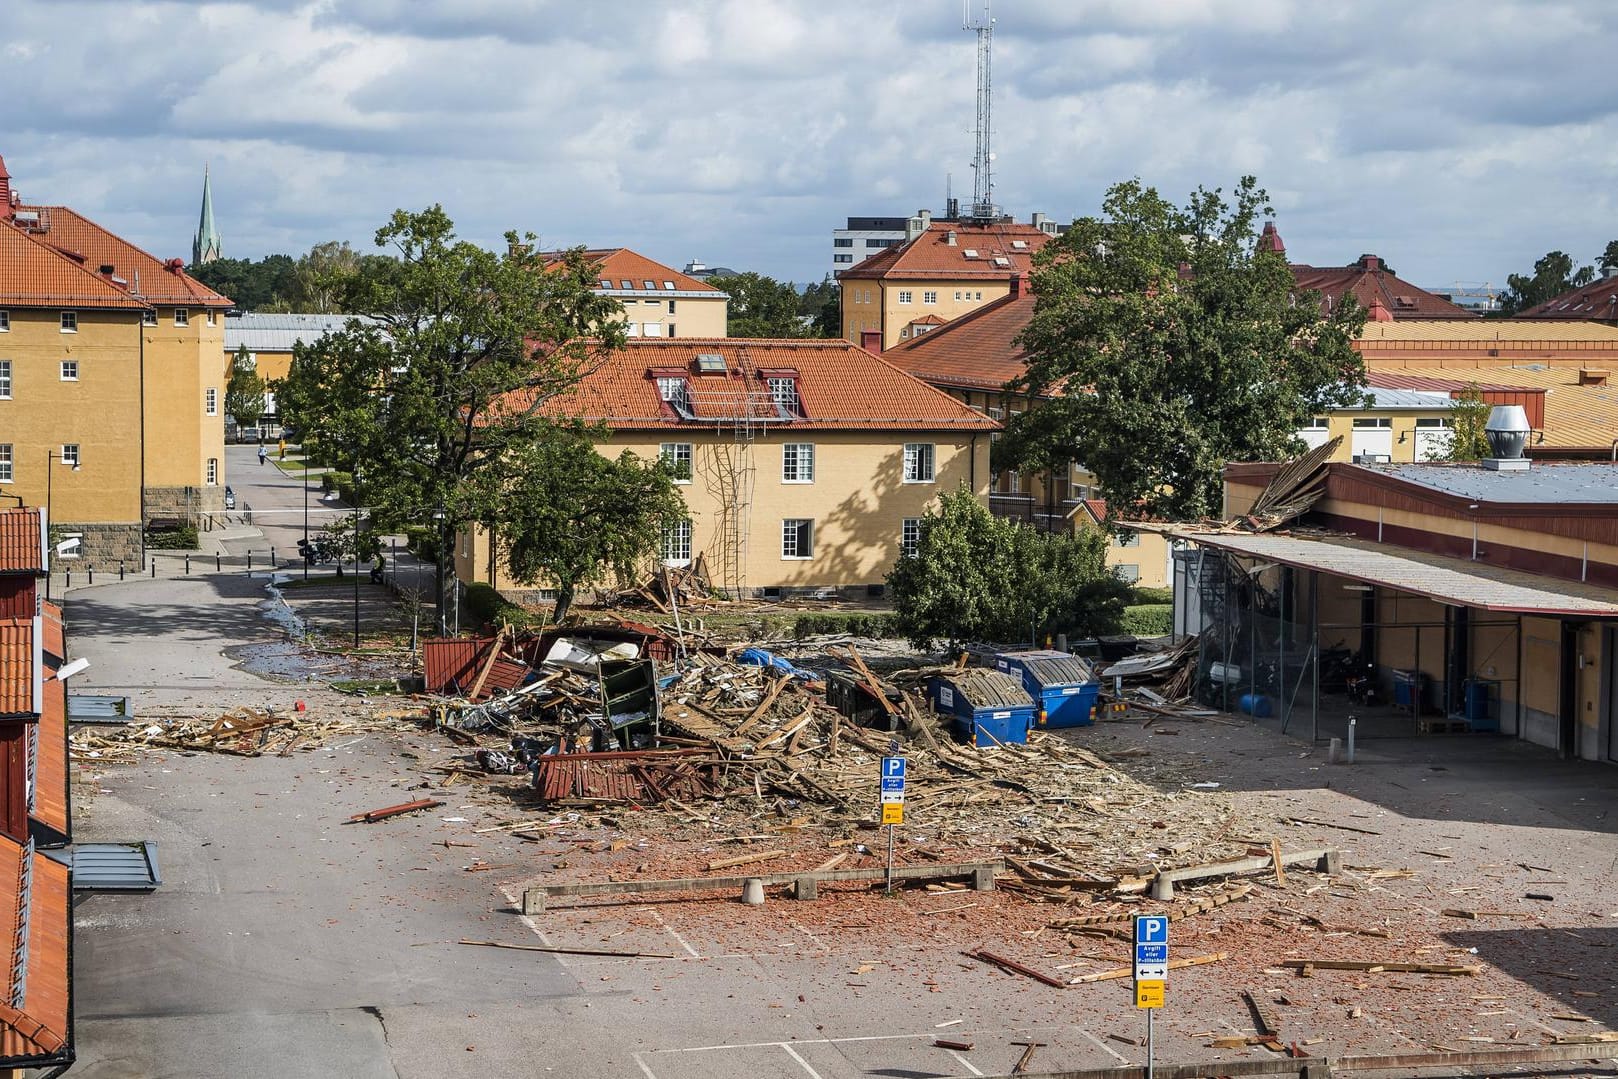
(1468, 414)
(251, 286)
(761, 306)
(1171, 344)
(571, 517)
(975, 576)
(244, 393)
(1608, 263)
(1553, 275)
(823, 302)
(443, 384)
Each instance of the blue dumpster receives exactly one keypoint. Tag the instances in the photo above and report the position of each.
(987, 707)
(1063, 686)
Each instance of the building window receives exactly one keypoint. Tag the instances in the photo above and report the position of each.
(957, 296)
(798, 462)
(676, 392)
(797, 538)
(213, 471)
(70, 453)
(652, 329)
(677, 544)
(677, 456)
(671, 308)
(5, 462)
(1127, 573)
(929, 296)
(1373, 423)
(1318, 423)
(148, 317)
(842, 241)
(785, 393)
(1129, 539)
(70, 322)
(880, 243)
(5, 379)
(210, 401)
(670, 328)
(904, 295)
(1432, 423)
(669, 287)
(626, 284)
(918, 462)
(842, 258)
(182, 317)
(70, 370)
(213, 318)
(5, 321)
(910, 537)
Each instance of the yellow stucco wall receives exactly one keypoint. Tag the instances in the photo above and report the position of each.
(858, 502)
(182, 363)
(690, 317)
(1402, 424)
(903, 302)
(862, 308)
(99, 412)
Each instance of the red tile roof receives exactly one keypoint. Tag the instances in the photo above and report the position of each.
(35, 275)
(976, 351)
(995, 254)
(48, 797)
(148, 277)
(1377, 290)
(620, 264)
(841, 387)
(1595, 302)
(55, 645)
(34, 892)
(17, 667)
(22, 541)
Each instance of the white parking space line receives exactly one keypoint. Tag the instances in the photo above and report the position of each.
(675, 933)
(1105, 1048)
(963, 1062)
(818, 942)
(802, 1062)
(644, 1069)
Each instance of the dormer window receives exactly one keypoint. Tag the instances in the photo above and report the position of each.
(784, 391)
(668, 286)
(649, 285)
(606, 283)
(626, 283)
(676, 393)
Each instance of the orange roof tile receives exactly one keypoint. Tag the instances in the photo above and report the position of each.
(22, 540)
(148, 277)
(35, 275)
(976, 351)
(978, 252)
(1371, 283)
(34, 891)
(620, 264)
(841, 387)
(17, 667)
(48, 797)
(55, 643)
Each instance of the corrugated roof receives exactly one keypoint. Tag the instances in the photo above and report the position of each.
(978, 350)
(17, 667)
(1053, 668)
(1451, 580)
(1585, 417)
(34, 892)
(1384, 397)
(278, 333)
(1404, 380)
(148, 277)
(22, 540)
(840, 386)
(33, 274)
(1480, 330)
(979, 252)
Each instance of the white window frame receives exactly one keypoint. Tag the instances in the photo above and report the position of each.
(210, 401)
(5, 380)
(793, 530)
(70, 322)
(1129, 538)
(905, 295)
(182, 316)
(909, 536)
(929, 296)
(784, 392)
(651, 329)
(674, 454)
(1128, 572)
(5, 463)
(69, 370)
(213, 317)
(70, 454)
(916, 456)
(676, 391)
(213, 472)
(798, 462)
(148, 317)
(677, 544)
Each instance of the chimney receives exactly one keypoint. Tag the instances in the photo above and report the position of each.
(951, 238)
(1017, 284)
(5, 192)
(1378, 311)
(1592, 376)
(1369, 262)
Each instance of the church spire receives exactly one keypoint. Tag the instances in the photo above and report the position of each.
(206, 247)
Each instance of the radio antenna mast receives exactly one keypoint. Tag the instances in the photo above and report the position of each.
(983, 207)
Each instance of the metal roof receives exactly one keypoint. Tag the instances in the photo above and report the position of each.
(1450, 580)
(1383, 397)
(1052, 668)
(277, 333)
(989, 689)
(1546, 482)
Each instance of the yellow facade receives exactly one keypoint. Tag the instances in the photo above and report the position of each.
(858, 502)
(891, 306)
(80, 390)
(185, 423)
(680, 316)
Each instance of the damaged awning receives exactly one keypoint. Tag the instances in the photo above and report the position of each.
(1454, 581)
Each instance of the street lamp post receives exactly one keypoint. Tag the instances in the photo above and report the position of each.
(51, 457)
(356, 556)
(305, 455)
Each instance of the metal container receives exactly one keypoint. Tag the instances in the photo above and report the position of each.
(987, 707)
(1063, 686)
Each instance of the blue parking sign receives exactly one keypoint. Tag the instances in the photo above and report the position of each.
(893, 768)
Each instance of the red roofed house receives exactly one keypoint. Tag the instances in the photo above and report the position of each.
(112, 381)
(1595, 302)
(36, 1020)
(943, 270)
(1385, 296)
(659, 301)
(811, 462)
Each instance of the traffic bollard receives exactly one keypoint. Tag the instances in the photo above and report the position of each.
(249, 561)
(69, 583)
(154, 569)
(188, 564)
(120, 569)
(216, 563)
(92, 573)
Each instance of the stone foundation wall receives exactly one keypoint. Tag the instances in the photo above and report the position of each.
(100, 545)
(184, 504)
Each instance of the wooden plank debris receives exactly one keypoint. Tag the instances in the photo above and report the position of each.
(568, 951)
(371, 816)
(1174, 964)
(1384, 967)
(984, 956)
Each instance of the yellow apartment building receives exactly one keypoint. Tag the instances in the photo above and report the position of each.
(269, 340)
(810, 462)
(658, 301)
(943, 270)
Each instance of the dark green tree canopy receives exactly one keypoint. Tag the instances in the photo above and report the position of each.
(1468, 414)
(244, 393)
(1169, 344)
(1553, 275)
(762, 306)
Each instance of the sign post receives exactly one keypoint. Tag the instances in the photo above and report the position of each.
(893, 800)
(1151, 971)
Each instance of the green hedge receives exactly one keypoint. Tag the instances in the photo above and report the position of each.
(1142, 596)
(341, 482)
(183, 538)
(1147, 619)
(422, 542)
(855, 625)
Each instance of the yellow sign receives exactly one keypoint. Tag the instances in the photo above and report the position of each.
(1149, 994)
(893, 813)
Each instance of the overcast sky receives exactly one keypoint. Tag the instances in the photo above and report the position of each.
(1458, 140)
